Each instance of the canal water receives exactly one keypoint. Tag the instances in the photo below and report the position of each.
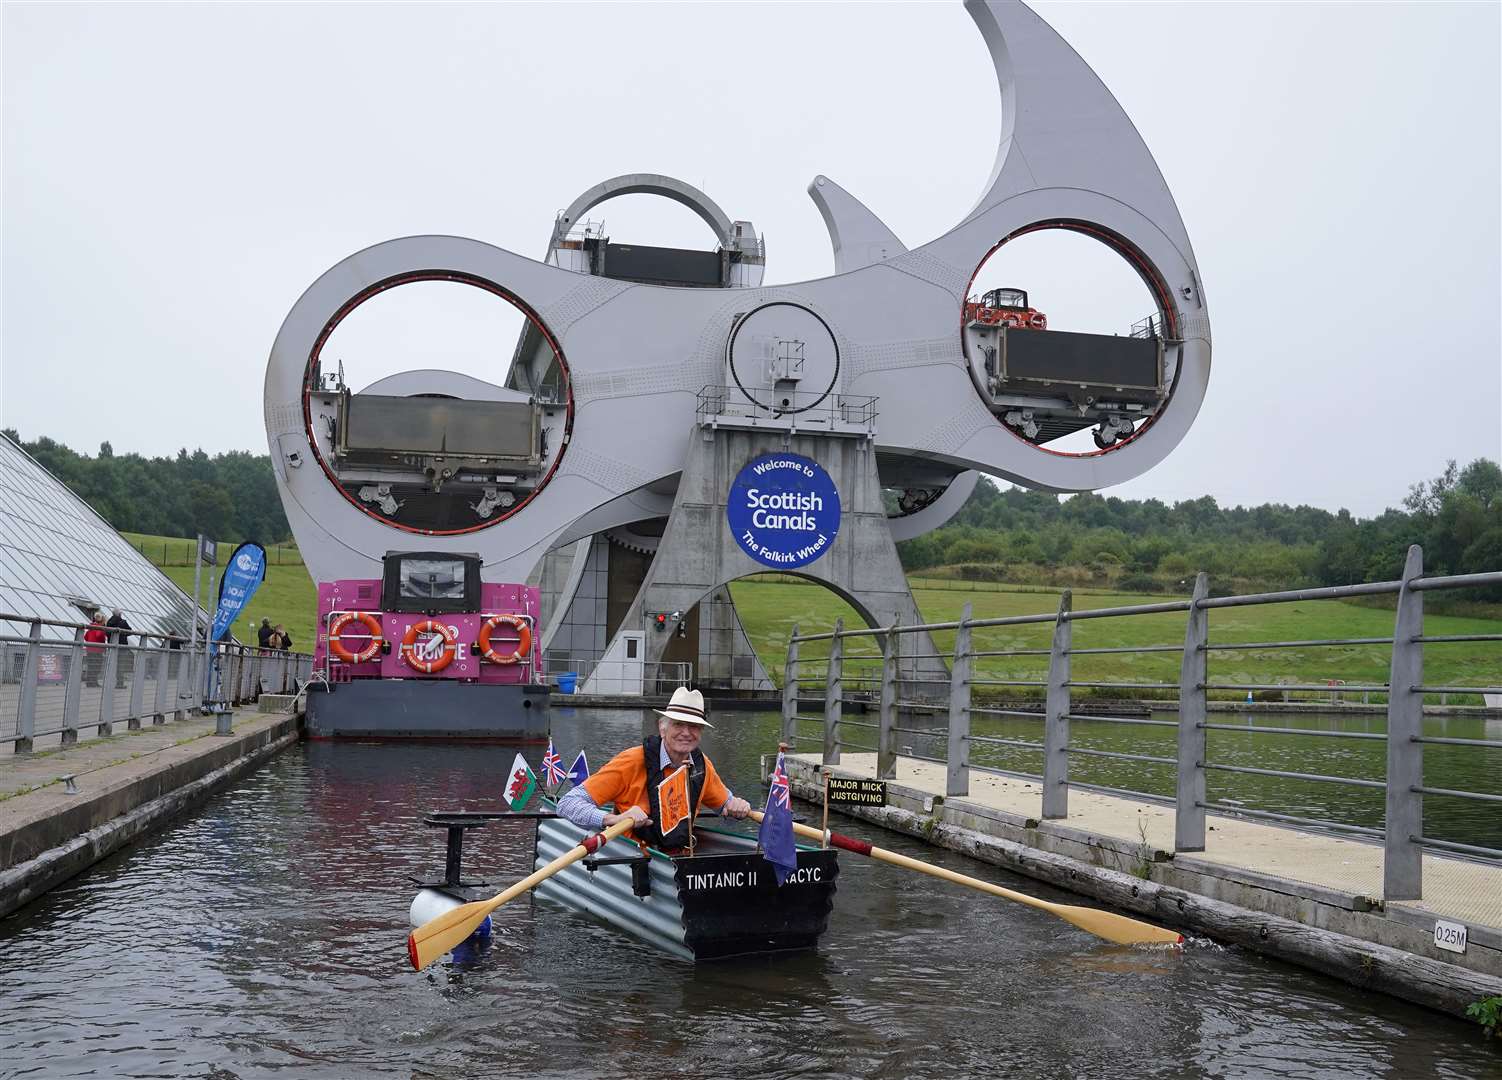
(264, 935)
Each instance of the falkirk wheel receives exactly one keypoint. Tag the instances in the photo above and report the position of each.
(870, 400)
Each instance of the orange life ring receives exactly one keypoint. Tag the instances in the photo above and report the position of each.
(423, 664)
(523, 644)
(339, 649)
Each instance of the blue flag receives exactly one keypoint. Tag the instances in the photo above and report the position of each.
(578, 772)
(776, 833)
(243, 575)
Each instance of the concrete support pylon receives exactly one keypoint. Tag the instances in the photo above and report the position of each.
(576, 585)
(698, 553)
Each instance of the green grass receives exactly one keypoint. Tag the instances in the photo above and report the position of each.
(770, 606)
(287, 596)
(770, 610)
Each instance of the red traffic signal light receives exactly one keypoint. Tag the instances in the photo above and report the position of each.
(661, 620)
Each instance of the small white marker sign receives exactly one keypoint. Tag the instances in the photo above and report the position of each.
(1449, 936)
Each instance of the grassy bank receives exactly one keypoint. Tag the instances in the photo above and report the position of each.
(287, 596)
(769, 610)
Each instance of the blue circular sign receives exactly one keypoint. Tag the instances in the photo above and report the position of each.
(783, 510)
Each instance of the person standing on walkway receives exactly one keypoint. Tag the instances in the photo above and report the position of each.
(263, 634)
(118, 626)
(124, 662)
(93, 649)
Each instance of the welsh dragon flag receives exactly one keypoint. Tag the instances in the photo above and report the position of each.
(520, 785)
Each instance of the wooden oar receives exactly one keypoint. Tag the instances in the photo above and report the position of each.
(1103, 924)
(438, 936)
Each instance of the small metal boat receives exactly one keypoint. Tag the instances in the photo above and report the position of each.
(721, 900)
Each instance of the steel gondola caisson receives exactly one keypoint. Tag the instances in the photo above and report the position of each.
(722, 900)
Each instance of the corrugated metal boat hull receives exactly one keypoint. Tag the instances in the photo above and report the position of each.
(723, 901)
(606, 892)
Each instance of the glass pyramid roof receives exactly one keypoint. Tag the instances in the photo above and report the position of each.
(58, 559)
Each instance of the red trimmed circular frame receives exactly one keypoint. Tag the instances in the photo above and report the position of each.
(408, 278)
(1162, 296)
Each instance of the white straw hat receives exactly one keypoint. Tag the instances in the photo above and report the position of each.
(687, 707)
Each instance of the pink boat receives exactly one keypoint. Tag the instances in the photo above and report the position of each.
(428, 651)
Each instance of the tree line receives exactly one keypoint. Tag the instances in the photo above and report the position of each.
(230, 496)
(1003, 534)
(1013, 534)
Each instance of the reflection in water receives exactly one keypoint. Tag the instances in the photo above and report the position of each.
(264, 935)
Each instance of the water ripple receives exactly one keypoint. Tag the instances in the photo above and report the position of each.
(263, 936)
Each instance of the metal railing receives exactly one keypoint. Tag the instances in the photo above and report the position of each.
(735, 406)
(58, 687)
(1402, 835)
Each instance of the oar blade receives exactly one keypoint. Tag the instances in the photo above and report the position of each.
(1117, 928)
(439, 936)
(442, 935)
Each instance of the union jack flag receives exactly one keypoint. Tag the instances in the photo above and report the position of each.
(552, 764)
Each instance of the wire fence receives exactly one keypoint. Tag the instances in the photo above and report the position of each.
(177, 551)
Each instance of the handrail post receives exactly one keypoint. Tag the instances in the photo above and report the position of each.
(834, 691)
(1056, 715)
(886, 742)
(1402, 858)
(159, 714)
(137, 685)
(107, 689)
(73, 695)
(957, 778)
(1189, 815)
(179, 658)
(790, 691)
(26, 707)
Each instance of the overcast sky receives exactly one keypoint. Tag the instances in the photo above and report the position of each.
(176, 175)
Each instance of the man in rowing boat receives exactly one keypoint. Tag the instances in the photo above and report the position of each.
(628, 783)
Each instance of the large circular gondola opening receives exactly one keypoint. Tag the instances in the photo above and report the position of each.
(437, 402)
(1069, 336)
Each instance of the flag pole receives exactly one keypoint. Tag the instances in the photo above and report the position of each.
(824, 839)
